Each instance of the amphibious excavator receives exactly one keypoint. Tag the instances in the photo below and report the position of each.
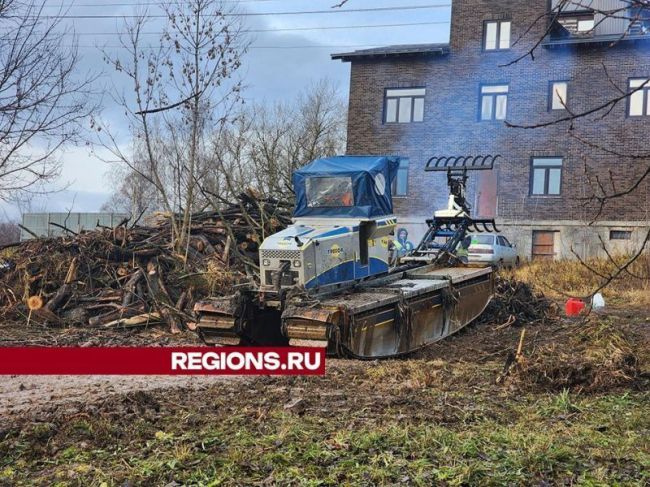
(329, 279)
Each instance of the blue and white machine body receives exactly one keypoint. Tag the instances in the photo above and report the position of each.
(343, 225)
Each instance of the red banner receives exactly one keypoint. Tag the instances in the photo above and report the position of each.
(162, 361)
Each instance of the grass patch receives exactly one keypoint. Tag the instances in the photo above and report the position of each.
(599, 356)
(554, 439)
(569, 277)
(416, 422)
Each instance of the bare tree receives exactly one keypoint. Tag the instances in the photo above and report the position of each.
(133, 194)
(43, 98)
(184, 90)
(259, 151)
(267, 144)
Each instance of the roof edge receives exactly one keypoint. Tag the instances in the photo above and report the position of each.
(395, 51)
(549, 42)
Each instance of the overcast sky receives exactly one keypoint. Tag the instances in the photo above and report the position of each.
(282, 61)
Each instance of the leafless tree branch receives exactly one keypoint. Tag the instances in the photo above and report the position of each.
(44, 100)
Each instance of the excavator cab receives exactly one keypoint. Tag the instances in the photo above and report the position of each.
(343, 222)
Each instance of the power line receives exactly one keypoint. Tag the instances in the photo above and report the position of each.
(289, 29)
(250, 47)
(252, 14)
(139, 4)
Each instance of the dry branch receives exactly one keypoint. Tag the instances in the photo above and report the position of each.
(117, 277)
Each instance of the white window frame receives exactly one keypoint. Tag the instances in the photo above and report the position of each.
(404, 105)
(493, 94)
(586, 24)
(544, 165)
(555, 97)
(502, 35)
(642, 95)
(578, 23)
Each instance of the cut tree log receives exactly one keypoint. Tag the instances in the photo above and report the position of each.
(138, 320)
(115, 314)
(44, 316)
(130, 288)
(161, 299)
(35, 302)
(225, 257)
(64, 291)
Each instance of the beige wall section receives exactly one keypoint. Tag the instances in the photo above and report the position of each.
(574, 237)
(583, 237)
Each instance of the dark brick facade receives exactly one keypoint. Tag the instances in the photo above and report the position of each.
(451, 125)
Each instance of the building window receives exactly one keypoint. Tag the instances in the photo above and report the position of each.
(558, 96)
(586, 24)
(639, 21)
(404, 105)
(546, 176)
(620, 235)
(496, 35)
(639, 103)
(580, 24)
(494, 102)
(400, 183)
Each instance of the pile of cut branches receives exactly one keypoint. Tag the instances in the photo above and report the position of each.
(132, 276)
(516, 304)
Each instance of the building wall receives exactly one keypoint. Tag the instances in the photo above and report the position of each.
(451, 125)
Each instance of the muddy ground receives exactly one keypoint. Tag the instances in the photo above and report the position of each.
(574, 411)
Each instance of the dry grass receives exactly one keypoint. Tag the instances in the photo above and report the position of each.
(221, 280)
(570, 278)
(599, 356)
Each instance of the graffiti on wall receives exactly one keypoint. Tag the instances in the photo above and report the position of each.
(402, 245)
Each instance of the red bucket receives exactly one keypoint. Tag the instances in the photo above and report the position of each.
(574, 307)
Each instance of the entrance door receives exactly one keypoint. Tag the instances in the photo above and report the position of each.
(543, 245)
(486, 194)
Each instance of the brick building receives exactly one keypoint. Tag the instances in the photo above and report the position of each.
(421, 101)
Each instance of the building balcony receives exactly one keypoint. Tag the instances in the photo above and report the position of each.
(593, 26)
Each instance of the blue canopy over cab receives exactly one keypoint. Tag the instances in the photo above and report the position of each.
(346, 187)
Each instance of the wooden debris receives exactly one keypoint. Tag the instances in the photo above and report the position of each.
(139, 320)
(35, 302)
(515, 303)
(519, 355)
(132, 275)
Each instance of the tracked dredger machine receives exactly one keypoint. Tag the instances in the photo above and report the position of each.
(329, 280)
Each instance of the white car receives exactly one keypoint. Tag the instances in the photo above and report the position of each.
(492, 248)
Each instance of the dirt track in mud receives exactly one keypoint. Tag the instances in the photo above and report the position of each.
(22, 394)
(43, 395)
(36, 395)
